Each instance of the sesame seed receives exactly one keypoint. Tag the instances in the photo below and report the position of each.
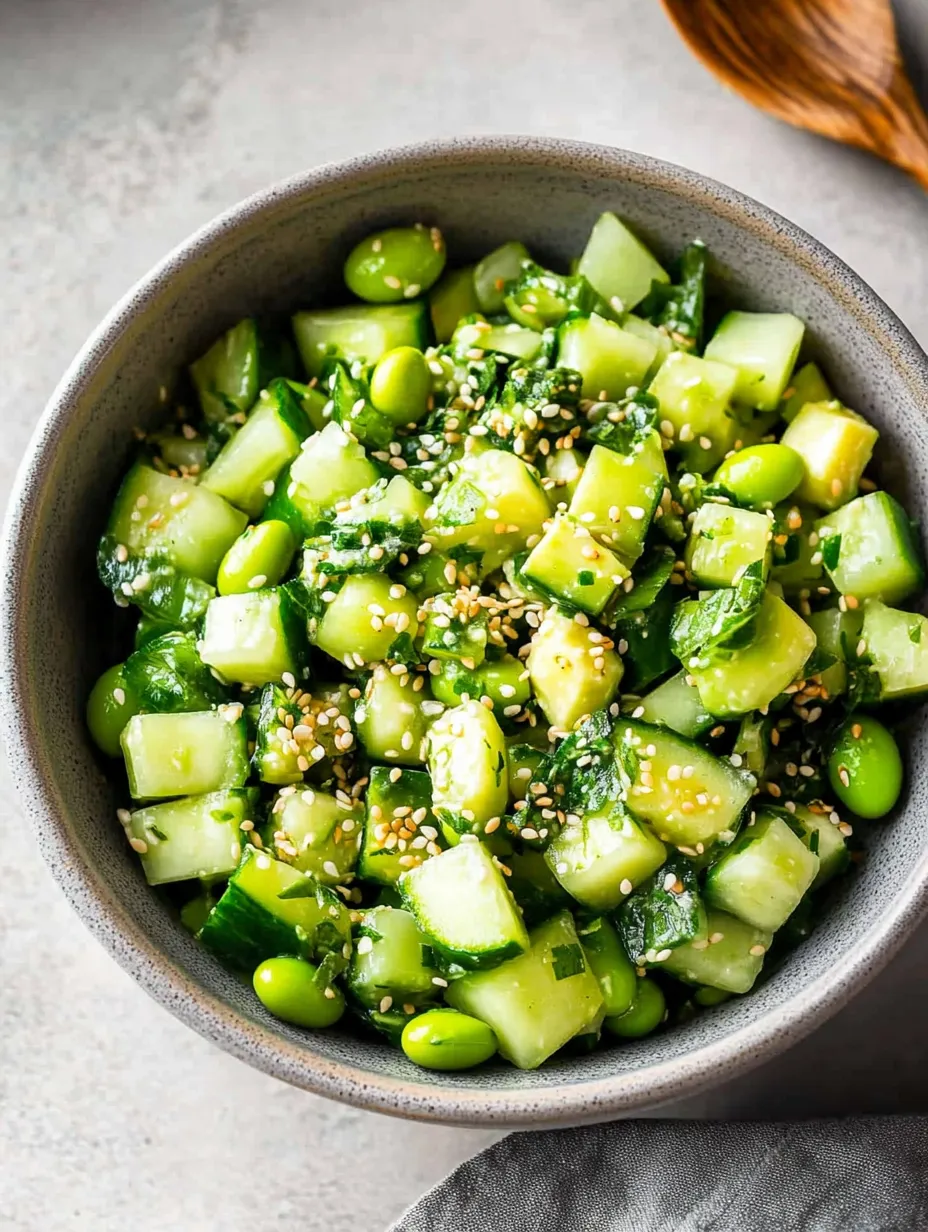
(139, 845)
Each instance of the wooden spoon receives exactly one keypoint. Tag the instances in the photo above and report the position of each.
(832, 66)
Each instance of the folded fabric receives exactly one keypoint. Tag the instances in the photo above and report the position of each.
(855, 1175)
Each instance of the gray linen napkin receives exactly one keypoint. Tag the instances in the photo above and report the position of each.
(856, 1175)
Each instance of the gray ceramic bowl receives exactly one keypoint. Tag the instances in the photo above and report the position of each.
(284, 249)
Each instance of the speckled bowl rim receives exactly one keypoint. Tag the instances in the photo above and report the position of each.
(573, 1102)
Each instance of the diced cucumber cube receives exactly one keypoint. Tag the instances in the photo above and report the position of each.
(364, 619)
(724, 541)
(762, 348)
(806, 385)
(493, 504)
(317, 833)
(513, 340)
(674, 704)
(197, 837)
(618, 265)
(752, 744)
(269, 909)
(248, 464)
(226, 377)
(870, 550)
(730, 959)
(167, 675)
(835, 446)
(837, 633)
(468, 762)
(331, 467)
(397, 502)
(253, 638)
(792, 562)
(501, 684)
(314, 402)
(695, 396)
(601, 859)
(451, 631)
(461, 902)
(610, 359)
(186, 754)
(736, 681)
(565, 467)
(651, 333)
(567, 680)
(391, 722)
(618, 494)
(361, 331)
(763, 876)
(897, 644)
(277, 757)
(537, 1002)
(390, 959)
(822, 837)
(502, 265)
(569, 564)
(192, 527)
(397, 803)
(453, 296)
(691, 797)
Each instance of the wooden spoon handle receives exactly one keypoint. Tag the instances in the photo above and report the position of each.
(906, 131)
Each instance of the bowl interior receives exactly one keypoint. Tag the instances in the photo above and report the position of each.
(282, 251)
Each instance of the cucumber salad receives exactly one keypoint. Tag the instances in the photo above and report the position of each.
(513, 650)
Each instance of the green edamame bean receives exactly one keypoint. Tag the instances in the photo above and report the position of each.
(447, 1039)
(761, 475)
(260, 556)
(646, 1014)
(400, 385)
(865, 767)
(288, 988)
(396, 264)
(611, 966)
(110, 706)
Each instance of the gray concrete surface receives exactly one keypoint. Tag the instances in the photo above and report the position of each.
(122, 127)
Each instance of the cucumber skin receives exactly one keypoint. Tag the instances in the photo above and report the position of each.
(453, 960)
(241, 934)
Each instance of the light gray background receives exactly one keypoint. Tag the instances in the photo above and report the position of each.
(124, 125)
